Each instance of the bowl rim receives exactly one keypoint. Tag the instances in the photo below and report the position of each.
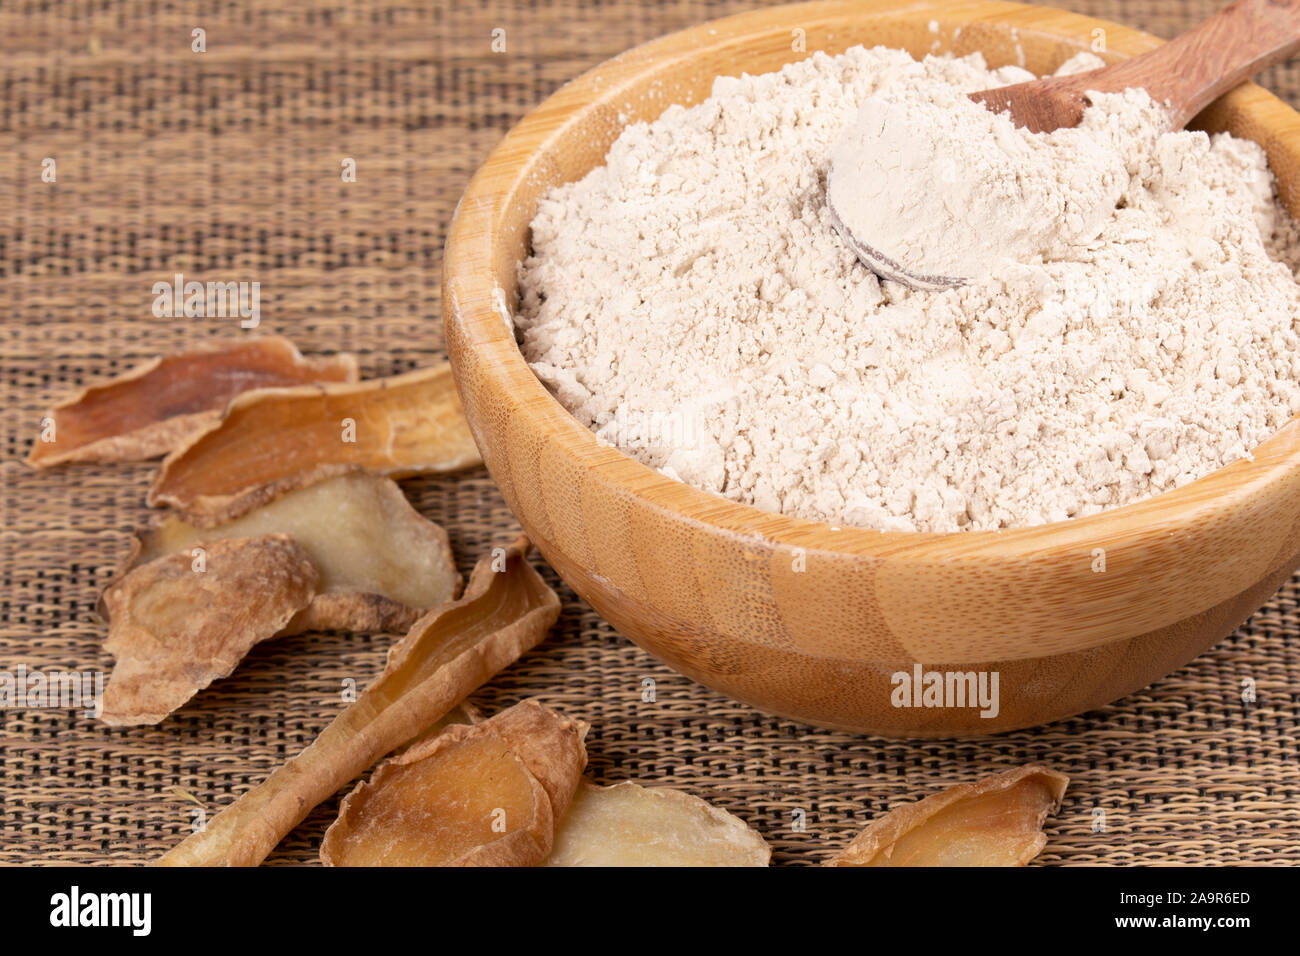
(475, 307)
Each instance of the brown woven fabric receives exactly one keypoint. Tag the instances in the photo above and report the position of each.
(225, 165)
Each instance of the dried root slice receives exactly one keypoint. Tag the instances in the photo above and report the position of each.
(449, 653)
(177, 626)
(997, 821)
(436, 811)
(354, 611)
(487, 794)
(382, 563)
(463, 713)
(273, 440)
(631, 825)
(157, 406)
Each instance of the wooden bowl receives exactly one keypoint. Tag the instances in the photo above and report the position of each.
(797, 617)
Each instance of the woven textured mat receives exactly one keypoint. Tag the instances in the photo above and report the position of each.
(225, 166)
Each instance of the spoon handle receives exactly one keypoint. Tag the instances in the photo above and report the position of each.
(1196, 67)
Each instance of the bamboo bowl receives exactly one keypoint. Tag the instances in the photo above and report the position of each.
(797, 617)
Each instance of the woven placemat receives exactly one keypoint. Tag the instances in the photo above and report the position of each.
(225, 165)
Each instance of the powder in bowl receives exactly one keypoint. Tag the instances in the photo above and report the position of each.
(691, 302)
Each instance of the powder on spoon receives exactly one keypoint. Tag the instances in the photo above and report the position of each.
(691, 302)
(943, 186)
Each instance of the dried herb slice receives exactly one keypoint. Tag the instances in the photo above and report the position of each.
(630, 825)
(381, 562)
(271, 441)
(507, 609)
(158, 405)
(996, 821)
(357, 612)
(486, 794)
(179, 623)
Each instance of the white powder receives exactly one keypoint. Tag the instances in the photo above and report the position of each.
(691, 302)
(944, 187)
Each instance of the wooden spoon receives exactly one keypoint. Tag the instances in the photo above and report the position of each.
(1185, 74)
